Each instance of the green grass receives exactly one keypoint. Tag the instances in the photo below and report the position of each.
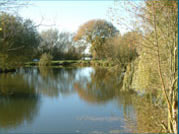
(103, 63)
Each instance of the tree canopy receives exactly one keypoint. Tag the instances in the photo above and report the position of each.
(18, 39)
(96, 32)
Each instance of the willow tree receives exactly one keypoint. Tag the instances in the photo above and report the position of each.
(96, 32)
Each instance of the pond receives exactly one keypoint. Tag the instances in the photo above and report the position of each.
(73, 100)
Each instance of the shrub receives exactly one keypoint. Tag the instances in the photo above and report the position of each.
(45, 59)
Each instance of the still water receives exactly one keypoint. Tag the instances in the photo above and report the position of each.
(73, 100)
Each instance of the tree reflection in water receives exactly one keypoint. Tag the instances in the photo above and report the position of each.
(18, 101)
(19, 95)
(105, 85)
(51, 81)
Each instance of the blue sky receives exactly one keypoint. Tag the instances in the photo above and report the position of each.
(67, 15)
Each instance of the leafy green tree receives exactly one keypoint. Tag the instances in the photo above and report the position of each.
(18, 40)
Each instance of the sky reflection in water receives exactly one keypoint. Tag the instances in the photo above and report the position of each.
(64, 100)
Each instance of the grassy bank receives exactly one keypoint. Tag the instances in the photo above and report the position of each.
(65, 63)
(76, 63)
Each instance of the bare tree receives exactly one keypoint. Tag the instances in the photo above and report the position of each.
(158, 23)
(12, 5)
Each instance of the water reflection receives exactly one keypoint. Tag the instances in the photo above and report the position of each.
(21, 92)
(148, 116)
(18, 101)
(14, 85)
(15, 111)
(51, 82)
(102, 87)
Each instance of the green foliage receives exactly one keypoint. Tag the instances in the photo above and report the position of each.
(45, 59)
(145, 77)
(128, 77)
(18, 40)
